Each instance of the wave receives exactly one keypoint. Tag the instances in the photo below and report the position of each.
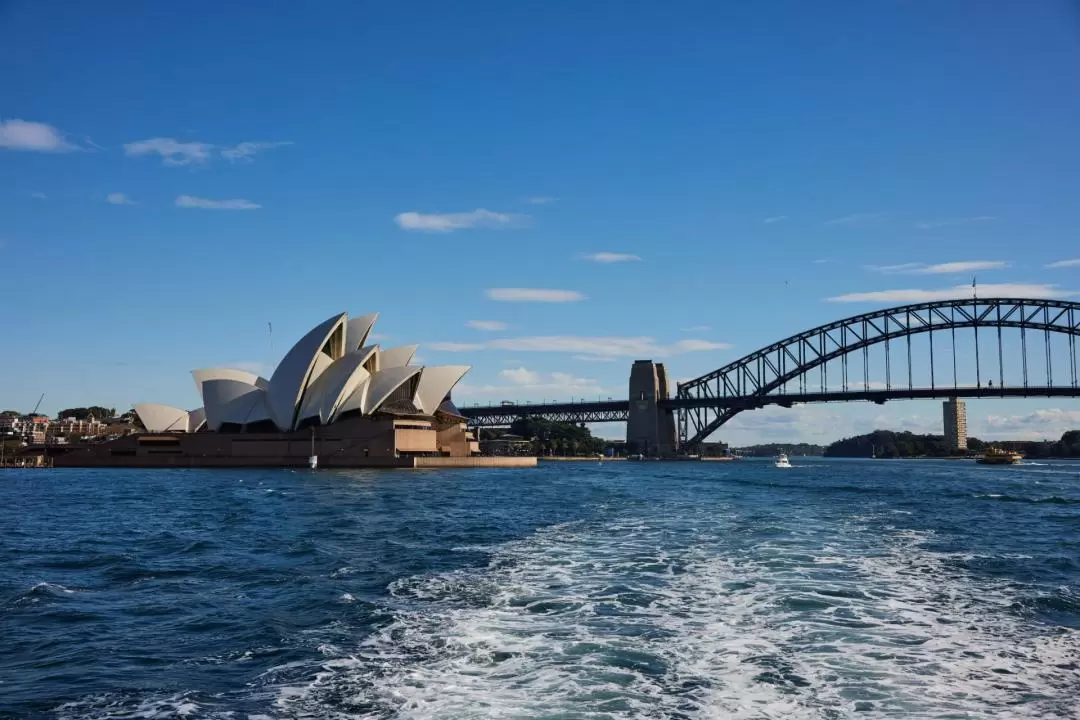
(1050, 500)
(596, 620)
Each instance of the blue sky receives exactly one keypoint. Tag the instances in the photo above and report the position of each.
(698, 179)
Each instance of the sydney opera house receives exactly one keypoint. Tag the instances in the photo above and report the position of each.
(351, 403)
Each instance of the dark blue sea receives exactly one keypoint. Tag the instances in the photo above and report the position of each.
(907, 589)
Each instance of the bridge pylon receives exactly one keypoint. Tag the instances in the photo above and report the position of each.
(650, 428)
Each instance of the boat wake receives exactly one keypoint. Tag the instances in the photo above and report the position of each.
(596, 620)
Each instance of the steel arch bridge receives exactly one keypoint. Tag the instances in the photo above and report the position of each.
(797, 368)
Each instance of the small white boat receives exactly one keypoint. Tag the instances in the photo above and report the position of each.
(782, 461)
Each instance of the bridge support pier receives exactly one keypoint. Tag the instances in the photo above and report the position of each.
(650, 429)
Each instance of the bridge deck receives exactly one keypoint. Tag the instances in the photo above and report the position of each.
(618, 410)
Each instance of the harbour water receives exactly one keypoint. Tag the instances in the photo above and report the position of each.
(624, 590)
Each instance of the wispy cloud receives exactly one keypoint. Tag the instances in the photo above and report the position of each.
(521, 382)
(948, 268)
(190, 201)
(774, 219)
(38, 195)
(820, 261)
(543, 295)
(449, 222)
(179, 152)
(454, 346)
(932, 224)
(540, 200)
(30, 136)
(1014, 290)
(856, 220)
(892, 269)
(611, 257)
(1049, 423)
(245, 151)
(118, 198)
(171, 151)
(1065, 263)
(598, 349)
(696, 328)
(489, 325)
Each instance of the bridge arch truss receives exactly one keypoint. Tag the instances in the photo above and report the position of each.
(801, 364)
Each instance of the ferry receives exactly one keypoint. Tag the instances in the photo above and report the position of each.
(996, 456)
(782, 461)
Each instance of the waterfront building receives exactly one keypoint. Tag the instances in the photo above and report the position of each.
(352, 403)
(29, 428)
(64, 429)
(954, 416)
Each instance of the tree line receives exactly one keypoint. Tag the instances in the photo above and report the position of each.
(890, 444)
(556, 438)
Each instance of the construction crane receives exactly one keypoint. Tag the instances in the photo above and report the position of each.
(29, 437)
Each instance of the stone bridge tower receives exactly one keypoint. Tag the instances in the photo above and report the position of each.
(650, 429)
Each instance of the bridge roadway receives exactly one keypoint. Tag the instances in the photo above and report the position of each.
(619, 410)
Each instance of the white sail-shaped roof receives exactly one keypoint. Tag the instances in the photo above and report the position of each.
(324, 396)
(196, 419)
(358, 330)
(162, 418)
(204, 374)
(435, 384)
(229, 401)
(383, 384)
(293, 373)
(399, 356)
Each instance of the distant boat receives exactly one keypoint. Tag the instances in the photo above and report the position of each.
(997, 456)
(782, 461)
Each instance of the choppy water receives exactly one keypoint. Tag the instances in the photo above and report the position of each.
(835, 589)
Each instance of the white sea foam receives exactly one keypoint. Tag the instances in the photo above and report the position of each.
(646, 618)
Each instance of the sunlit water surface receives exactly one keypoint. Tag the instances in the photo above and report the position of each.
(622, 590)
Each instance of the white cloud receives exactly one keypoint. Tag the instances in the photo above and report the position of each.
(118, 199)
(593, 349)
(190, 201)
(172, 151)
(820, 261)
(774, 219)
(534, 295)
(378, 337)
(245, 151)
(1014, 290)
(603, 347)
(1065, 263)
(38, 195)
(856, 220)
(454, 347)
(1047, 424)
(489, 325)
(697, 328)
(522, 383)
(540, 200)
(612, 257)
(520, 376)
(18, 134)
(891, 269)
(479, 218)
(964, 266)
(931, 224)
